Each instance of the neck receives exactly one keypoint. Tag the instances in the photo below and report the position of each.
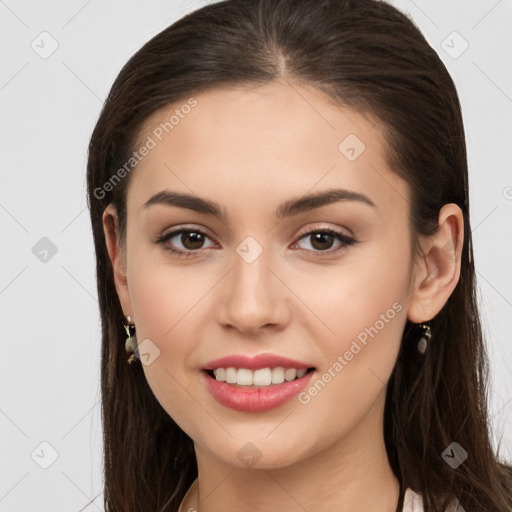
(352, 474)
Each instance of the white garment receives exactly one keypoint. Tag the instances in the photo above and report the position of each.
(414, 503)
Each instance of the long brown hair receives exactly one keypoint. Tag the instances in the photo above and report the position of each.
(367, 55)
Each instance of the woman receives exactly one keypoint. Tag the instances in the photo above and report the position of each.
(279, 202)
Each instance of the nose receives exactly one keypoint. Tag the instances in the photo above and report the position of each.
(253, 296)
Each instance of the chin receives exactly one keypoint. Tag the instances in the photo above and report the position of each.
(260, 452)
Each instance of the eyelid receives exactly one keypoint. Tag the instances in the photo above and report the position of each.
(185, 227)
(323, 227)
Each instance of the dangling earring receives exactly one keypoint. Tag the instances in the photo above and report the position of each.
(426, 334)
(131, 341)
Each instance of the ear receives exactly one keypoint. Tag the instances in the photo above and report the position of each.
(117, 257)
(438, 271)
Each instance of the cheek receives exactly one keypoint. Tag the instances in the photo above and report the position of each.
(163, 300)
(163, 304)
(358, 360)
(363, 309)
(164, 296)
(366, 292)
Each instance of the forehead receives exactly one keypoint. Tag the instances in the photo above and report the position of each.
(271, 141)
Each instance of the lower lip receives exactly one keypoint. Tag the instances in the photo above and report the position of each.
(255, 399)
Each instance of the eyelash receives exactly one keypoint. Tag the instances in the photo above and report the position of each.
(346, 241)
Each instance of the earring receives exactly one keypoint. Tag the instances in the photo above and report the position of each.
(426, 334)
(131, 341)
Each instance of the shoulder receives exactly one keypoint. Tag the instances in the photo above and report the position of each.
(413, 502)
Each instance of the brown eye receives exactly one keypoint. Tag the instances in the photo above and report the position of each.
(191, 240)
(323, 239)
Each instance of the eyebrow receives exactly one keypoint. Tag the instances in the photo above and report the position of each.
(291, 207)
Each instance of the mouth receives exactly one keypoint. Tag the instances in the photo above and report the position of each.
(260, 378)
(258, 390)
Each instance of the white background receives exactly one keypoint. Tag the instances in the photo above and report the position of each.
(50, 331)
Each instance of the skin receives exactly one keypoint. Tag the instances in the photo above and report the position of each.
(250, 149)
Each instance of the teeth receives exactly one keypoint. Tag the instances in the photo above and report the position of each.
(244, 377)
(290, 374)
(220, 374)
(278, 375)
(262, 377)
(231, 375)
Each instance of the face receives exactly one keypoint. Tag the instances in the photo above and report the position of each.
(326, 284)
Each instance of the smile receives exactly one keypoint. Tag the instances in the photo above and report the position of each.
(256, 397)
(262, 377)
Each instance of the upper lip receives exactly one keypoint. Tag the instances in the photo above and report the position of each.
(255, 362)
